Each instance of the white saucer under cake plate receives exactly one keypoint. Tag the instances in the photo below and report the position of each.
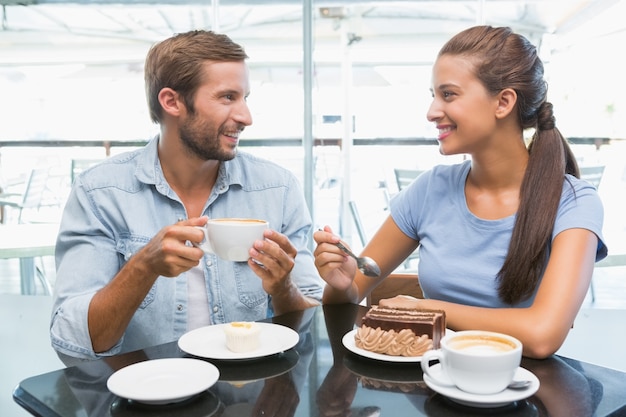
(210, 342)
(500, 399)
(163, 381)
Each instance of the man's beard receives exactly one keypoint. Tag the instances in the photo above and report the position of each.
(202, 141)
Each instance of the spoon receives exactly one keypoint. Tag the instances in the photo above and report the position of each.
(521, 384)
(366, 265)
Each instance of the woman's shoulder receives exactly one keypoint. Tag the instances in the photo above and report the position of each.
(573, 187)
(448, 174)
(452, 169)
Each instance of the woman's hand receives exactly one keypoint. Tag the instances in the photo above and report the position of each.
(333, 265)
(406, 302)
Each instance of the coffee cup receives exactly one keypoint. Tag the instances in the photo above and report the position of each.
(475, 361)
(231, 238)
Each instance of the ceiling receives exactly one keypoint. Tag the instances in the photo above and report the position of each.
(101, 32)
(55, 54)
(387, 41)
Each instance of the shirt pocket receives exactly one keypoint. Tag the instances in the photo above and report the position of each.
(249, 286)
(127, 247)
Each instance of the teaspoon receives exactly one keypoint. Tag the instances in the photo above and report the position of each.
(521, 384)
(366, 265)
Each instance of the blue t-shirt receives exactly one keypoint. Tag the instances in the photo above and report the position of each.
(461, 254)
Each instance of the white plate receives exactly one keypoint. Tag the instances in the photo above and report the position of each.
(210, 342)
(163, 381)
(350, 344)
(492, 400)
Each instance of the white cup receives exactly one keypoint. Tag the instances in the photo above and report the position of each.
(475, 361)
(231, 238)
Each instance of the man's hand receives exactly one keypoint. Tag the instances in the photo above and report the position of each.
(272, 259)
(168, 253)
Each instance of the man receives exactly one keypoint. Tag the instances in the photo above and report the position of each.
(127, 274)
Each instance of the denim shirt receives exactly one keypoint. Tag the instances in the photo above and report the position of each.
(116, 207)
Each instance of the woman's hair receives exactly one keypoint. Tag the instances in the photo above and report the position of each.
(178, 63)
(503, 59)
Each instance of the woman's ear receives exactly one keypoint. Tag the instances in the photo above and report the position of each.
(170, 102)
(507, 99)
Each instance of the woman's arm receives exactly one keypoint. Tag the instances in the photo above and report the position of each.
(544, 325)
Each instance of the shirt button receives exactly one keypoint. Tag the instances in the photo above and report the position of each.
(215, 309)
(209, 262)
(179, 307)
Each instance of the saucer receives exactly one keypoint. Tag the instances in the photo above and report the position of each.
(163, 381)
(486, 401)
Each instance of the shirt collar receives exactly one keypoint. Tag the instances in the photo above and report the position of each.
(149, 170)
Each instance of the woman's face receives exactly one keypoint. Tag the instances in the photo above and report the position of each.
(462, 109)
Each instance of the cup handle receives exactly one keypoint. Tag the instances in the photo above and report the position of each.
(205, 245)
(440, 378)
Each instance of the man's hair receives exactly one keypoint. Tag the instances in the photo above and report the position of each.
(178, 63)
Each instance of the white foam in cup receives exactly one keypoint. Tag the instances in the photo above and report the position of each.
(475, 361)
(231, 238)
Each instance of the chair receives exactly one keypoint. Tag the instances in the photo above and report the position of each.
(357, 222)
(31, 198)
(592, 174)
(396, 284)
(354, 211)
(404, 177)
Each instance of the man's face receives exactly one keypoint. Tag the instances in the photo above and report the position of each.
(221, 112)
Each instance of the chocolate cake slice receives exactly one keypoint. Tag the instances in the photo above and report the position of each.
(401, 332)
(421, 322)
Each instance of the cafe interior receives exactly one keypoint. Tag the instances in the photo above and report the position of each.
(339, 94)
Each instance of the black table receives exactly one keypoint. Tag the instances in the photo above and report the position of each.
(319, 377)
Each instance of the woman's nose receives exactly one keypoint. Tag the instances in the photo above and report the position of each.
(433, 113)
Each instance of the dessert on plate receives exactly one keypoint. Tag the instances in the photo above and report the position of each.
(242, 336)
(399, 331)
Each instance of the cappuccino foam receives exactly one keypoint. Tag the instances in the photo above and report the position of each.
(237, 221)
(481, 345)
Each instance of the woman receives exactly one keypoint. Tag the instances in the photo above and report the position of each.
(507, 238)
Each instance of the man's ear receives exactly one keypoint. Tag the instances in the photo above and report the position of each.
(170, 102)
(507, 99)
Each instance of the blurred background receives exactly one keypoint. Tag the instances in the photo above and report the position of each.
(340, 89)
